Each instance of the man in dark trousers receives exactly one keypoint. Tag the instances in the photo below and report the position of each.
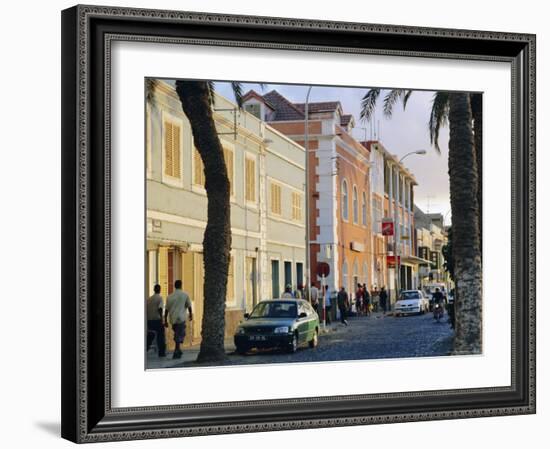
(383, 299)
(343, 304)
(155, 323)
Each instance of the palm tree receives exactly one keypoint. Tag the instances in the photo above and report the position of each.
(197, 100)
(456, 110)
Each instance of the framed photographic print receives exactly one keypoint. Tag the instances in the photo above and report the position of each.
(277, 224)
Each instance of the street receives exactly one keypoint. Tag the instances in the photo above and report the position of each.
(373, 337)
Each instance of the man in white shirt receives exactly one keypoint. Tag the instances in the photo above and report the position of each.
(314, 295)
(177, 305)
(155, 324)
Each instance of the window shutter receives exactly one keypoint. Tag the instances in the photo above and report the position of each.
(176, 151)
(199, 177)
(250, 180)
(168, 144)
(276, 199)
(228, 156)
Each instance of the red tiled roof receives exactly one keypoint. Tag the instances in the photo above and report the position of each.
(345, 119)
(323, 106)
(284, 109)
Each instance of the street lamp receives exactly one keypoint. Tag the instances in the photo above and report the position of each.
(396, 239)
(306, 145)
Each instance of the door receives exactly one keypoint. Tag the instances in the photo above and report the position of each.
(275, 293)
(288, 274)
(299, 274)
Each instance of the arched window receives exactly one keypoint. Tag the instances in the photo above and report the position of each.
(345, 275)
(364, 209)
(345, 200)
(355, 276)
(355, 205)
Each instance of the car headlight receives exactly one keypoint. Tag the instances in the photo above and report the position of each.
(240, 331)
(281, 330)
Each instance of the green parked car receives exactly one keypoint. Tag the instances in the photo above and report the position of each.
(278, 323)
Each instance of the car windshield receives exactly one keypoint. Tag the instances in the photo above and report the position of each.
(275, 309)
(410, 295)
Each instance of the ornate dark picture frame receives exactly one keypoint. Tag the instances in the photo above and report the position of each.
(87, 34)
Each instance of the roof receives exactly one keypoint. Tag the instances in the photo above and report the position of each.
(345, 119)
(323, 106)
(257, 96)
(284, 109)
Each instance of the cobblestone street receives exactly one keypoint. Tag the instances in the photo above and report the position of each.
(373, 337)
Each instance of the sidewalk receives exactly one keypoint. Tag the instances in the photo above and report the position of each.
(190, 353)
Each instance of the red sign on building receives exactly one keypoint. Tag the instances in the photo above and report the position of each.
(387, 226)
(393, 260)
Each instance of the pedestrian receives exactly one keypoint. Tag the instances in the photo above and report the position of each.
(366, 300)
(328, 305)
(298, 292)
(358, 299)
(314, 297)
(177, 305)
(155, 323)
(383, 299)
(343, 304)
(375, 298)
(288, 292)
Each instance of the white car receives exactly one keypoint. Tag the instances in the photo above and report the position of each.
(411, 301)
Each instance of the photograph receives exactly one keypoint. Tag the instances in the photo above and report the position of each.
(295, 223)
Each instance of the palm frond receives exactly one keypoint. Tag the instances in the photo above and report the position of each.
(238, 92)
(439, 117)
(406, 98)
(211, 97)
(368, 103)
(390, 99)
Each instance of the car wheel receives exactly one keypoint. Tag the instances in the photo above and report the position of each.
(242, 350)
(293, 347)
(315, 340)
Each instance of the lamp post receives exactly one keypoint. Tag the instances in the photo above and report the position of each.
(306, 145)
(395, 230)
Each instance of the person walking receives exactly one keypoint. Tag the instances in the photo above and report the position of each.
(177, 305)
(328, 305)
(155, 323)
(358, 299)
(288, 292)
(343, 304)
(314, 297)
(366, 300)
(383, 299)
(375, 298)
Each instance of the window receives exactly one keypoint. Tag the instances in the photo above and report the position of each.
(355, 205)
(172, 150)
(401, 189)
(275, 199)
(364, 209)
(406, 190)
(345, 200)
(296, 206)
(198, 172)
(254, 109)
(228, 156)
(230, 294)
(250, 179)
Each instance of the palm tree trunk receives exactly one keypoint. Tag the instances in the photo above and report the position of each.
(195, 101)
(464, 205)
(476, 102)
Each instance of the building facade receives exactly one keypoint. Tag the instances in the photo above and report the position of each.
(266, 172)
(339, 185)
(392, 200)
(431, 236)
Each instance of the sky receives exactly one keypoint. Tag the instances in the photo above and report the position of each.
(405, 131)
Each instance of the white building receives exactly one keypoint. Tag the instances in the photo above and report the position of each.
(267, 176)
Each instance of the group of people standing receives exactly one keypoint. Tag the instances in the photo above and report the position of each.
(365, 302)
